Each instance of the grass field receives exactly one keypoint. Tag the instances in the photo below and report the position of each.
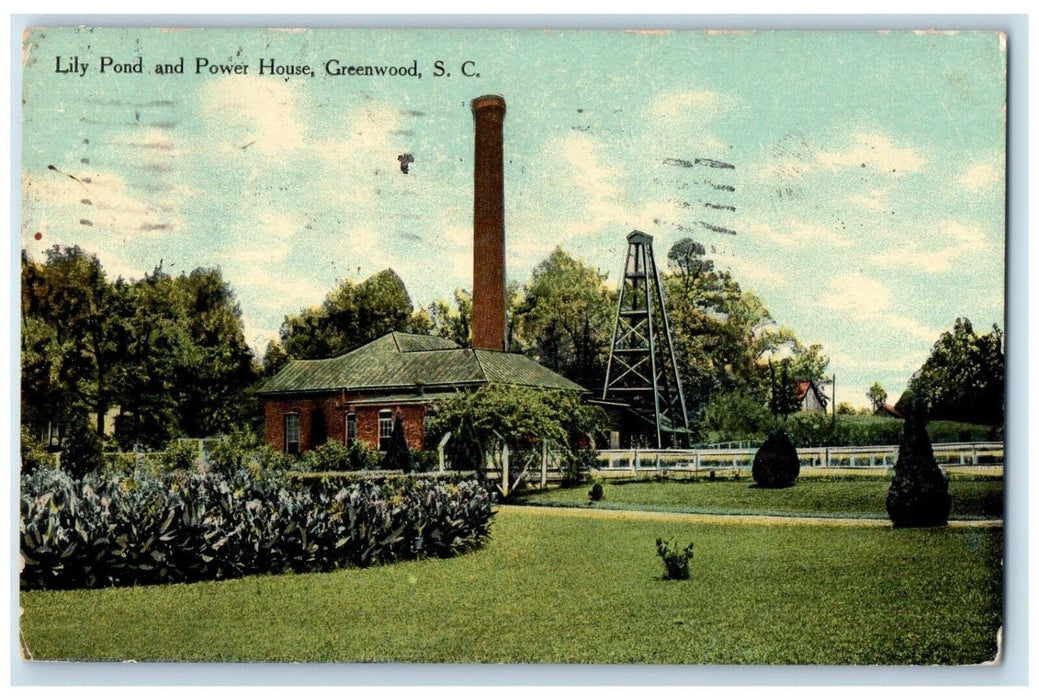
(974, 498)
(548, 588)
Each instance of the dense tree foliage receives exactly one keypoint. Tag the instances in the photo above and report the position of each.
(351, 315)
(565, 319)
(168, 352)
(962, 379)
(724, 337)
(454, 323)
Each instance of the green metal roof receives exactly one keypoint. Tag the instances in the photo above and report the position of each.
(406, 361)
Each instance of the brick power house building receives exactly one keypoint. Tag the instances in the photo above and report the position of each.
(356, 396)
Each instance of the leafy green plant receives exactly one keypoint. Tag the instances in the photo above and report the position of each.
(182, 455)
(205, 525)
(269, 460)
(521, 416)
(333, 456)
(676, 561)
(232, 452)
(427, 460)
(34, 456)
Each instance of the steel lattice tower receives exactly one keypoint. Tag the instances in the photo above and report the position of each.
(641, 370)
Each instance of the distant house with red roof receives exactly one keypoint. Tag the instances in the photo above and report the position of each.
(810, 397)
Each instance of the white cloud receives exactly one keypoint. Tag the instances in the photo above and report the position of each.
(911, 255)
(250, 112)
(912, 328)
(271, 288)
(677, 105)
(876, 152)
(585, 167)
(101, 201)
(745, 269)
(796, 233)
(856, 295)
(904, 364)
(278, 224)
(981, 175)
(874, 200)
(866, 300)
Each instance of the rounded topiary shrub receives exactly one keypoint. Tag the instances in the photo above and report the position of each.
(776, 464)
(919, 492)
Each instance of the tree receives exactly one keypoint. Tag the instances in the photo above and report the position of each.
(169, 352)
(274, 358)
(784, 399)
(723, 333)
(963, 377)
(351, 315)
(877, 397)
(565, 319)
(187, 363)
(74, 336)
(453, 323)
(520, 415)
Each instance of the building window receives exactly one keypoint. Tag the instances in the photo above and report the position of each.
(351, 427)
(292, 433)
(385, 429)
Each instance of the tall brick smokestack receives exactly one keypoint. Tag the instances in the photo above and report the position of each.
(488, 225)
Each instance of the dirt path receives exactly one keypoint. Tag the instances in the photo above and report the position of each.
(796, 520)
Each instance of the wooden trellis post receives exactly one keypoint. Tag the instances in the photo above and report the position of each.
(544, 463)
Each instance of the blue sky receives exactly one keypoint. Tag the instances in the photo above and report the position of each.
(866, 197)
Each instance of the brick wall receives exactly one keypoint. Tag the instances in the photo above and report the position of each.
(324, 418)
(320, 418)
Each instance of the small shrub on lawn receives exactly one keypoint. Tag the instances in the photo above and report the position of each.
(676, 561)
(595, 494)
(205, 525)
(776, 464)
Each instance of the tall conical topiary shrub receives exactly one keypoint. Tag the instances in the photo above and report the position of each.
(398, 456)
(464, 449)
(776, 464)
(919, 492)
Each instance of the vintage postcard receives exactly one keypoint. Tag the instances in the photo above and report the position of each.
(521, 346)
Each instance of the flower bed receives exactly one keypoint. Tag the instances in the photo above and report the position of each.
(191, 526)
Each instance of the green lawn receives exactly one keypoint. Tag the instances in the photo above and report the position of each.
(552, 588)
(979, 498)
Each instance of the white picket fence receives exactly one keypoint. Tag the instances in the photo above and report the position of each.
(978, 456)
